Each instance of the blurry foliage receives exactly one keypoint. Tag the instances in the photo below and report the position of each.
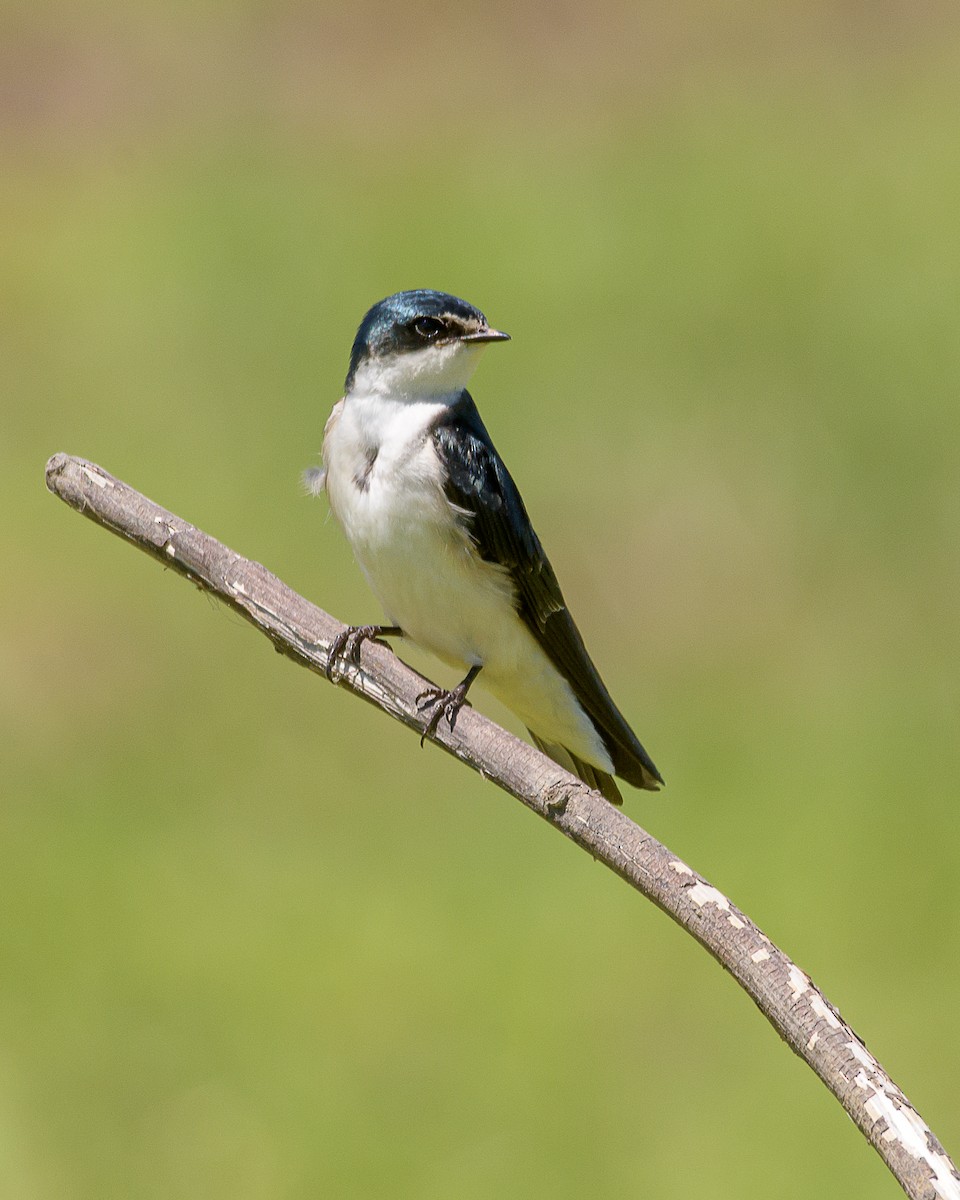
(726, 244)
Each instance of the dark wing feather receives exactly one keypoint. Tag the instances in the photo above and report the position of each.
(479, 483)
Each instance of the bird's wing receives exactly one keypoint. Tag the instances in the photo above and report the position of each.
(478, 482)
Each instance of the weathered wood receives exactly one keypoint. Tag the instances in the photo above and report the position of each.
(788, 998)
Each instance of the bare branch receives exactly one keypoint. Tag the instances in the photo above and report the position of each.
(788, 998)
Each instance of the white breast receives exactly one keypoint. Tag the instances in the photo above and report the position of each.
(385, 487)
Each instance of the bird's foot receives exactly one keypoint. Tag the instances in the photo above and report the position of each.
(345, 647)
(444, 703)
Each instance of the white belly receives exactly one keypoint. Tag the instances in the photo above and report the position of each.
(428, 577)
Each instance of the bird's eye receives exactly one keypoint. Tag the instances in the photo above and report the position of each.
(428, 327)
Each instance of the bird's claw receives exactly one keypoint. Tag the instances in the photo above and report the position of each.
(445, 704)
(345, 648)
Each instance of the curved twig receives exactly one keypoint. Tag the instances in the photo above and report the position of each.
(788, 998)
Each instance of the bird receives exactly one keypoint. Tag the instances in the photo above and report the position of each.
(440, 532)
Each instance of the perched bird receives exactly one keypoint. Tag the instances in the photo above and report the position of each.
(441, 534)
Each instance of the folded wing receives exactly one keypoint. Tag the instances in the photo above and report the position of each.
(479, 483)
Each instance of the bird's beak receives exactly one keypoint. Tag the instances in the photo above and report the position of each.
(486, 335)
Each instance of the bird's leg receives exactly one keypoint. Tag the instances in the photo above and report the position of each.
(445, 704)
(345, 647)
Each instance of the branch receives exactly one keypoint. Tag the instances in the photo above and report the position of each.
(788, 998)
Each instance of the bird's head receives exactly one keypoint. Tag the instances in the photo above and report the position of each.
(419, 344)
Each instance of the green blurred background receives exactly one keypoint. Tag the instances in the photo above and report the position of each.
(256, 943)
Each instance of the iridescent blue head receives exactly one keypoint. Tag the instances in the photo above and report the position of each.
(430, 330)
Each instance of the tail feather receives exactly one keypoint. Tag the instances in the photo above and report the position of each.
(592, 776)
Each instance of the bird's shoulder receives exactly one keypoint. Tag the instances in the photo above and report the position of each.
(477, 481)
(335, 414)
(332, 422)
